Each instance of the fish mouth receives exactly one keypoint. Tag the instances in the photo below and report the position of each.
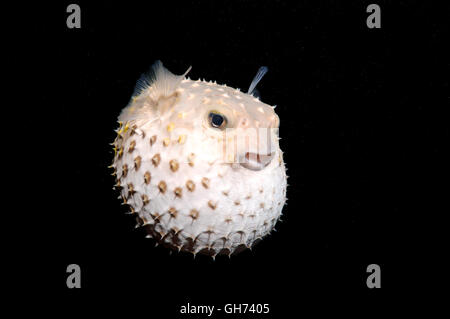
(256, 161)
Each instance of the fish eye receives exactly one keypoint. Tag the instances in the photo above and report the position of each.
(217, 120)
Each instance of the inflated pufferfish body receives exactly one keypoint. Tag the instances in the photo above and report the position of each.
(199, 163)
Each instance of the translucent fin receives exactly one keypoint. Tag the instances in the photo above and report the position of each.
(161, 81)
(261, 72)
(256, 94)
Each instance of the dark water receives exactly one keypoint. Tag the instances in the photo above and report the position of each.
(363, 131)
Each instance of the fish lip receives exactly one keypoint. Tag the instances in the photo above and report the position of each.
(256, 161)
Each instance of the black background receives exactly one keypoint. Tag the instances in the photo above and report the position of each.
(363, 132)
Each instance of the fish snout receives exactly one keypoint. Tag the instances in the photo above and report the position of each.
(256, 161)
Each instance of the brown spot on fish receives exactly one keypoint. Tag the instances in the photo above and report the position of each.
(193, 214)
(133, 130)
(175, 231)
(190, 185)
(173, 212)
(124, 170)
(205, 182)
(152, 140)
(162, 186)
(147, 177)
(178, 192)
(156, 216)
(131, 190)
(174, 165)
(137, 162)
(156, 159)
(132, 146)
(166, 141)
(145, 199)
(212, 205)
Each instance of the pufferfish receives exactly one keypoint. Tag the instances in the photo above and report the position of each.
(199, 163)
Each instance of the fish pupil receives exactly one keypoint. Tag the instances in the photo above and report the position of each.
(216, 120)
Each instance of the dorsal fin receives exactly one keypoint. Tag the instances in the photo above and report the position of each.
(259, 75)
(159, 81)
